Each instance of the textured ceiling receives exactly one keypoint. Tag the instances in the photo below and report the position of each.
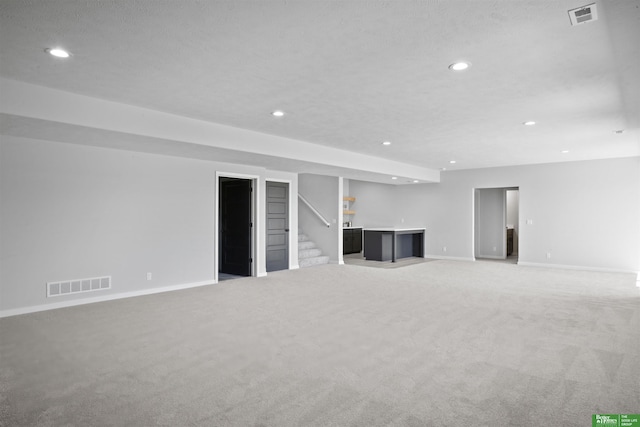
(351, 74)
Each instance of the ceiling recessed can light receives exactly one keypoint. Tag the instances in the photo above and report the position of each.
(564, 151)
(452, 162)
(459, 66)
(529, 123)
(277, 113)
(57, 52)
(386, 143)
(415, 181)
(394, 177)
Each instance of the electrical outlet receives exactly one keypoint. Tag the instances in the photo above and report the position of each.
(149, 276)
(548, 255)
(495, 249)
(529, 222)
(444, 249)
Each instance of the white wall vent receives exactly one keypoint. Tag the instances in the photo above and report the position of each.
(583, 14)
(68, 287)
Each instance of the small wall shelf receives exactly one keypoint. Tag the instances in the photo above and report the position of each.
(347, 205)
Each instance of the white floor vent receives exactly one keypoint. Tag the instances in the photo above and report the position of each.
(583, 14)
(67, 287)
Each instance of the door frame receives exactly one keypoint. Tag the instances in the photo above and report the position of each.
(216, 219)
(293, 234)
(516, 230)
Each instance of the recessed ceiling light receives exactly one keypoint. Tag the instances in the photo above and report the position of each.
(564, 151)
(452, 161)
(57, 52)
(443, 169)
(459, 66)
(415, 181)
(386, 143)
(394, 177)
(277, 113)
(529, 123)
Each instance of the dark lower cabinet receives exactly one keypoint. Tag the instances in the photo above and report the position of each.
(351, 240)
(509, 241)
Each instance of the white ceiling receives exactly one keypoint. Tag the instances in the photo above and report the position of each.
(351, 73)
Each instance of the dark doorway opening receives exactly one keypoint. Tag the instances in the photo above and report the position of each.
(235, 227)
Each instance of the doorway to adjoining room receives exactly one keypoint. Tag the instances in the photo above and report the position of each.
(496, 224)
(235, 228)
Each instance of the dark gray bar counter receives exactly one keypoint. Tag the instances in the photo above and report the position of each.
(390, 244)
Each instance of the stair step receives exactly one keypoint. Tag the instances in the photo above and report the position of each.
(308, 244)
(309, 253)
(309, 262)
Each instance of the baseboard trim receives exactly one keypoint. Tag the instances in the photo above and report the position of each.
(576, 267)
(64, 304)
(448, 258)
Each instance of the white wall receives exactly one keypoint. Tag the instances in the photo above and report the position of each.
(70, 211)
(586, 214)
(375, 204)
(345, 187)
(323, 192)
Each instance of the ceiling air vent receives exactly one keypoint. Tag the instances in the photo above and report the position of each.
(583, 14)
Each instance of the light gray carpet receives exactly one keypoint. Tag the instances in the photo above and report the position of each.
(434, 344)
(359, 259)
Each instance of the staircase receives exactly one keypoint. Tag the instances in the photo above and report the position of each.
(308, 254)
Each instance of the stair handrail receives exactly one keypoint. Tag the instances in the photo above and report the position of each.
(314, 210)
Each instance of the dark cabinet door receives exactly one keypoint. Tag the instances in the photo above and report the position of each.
(347, 241)
(357, 240)
(352, 241)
